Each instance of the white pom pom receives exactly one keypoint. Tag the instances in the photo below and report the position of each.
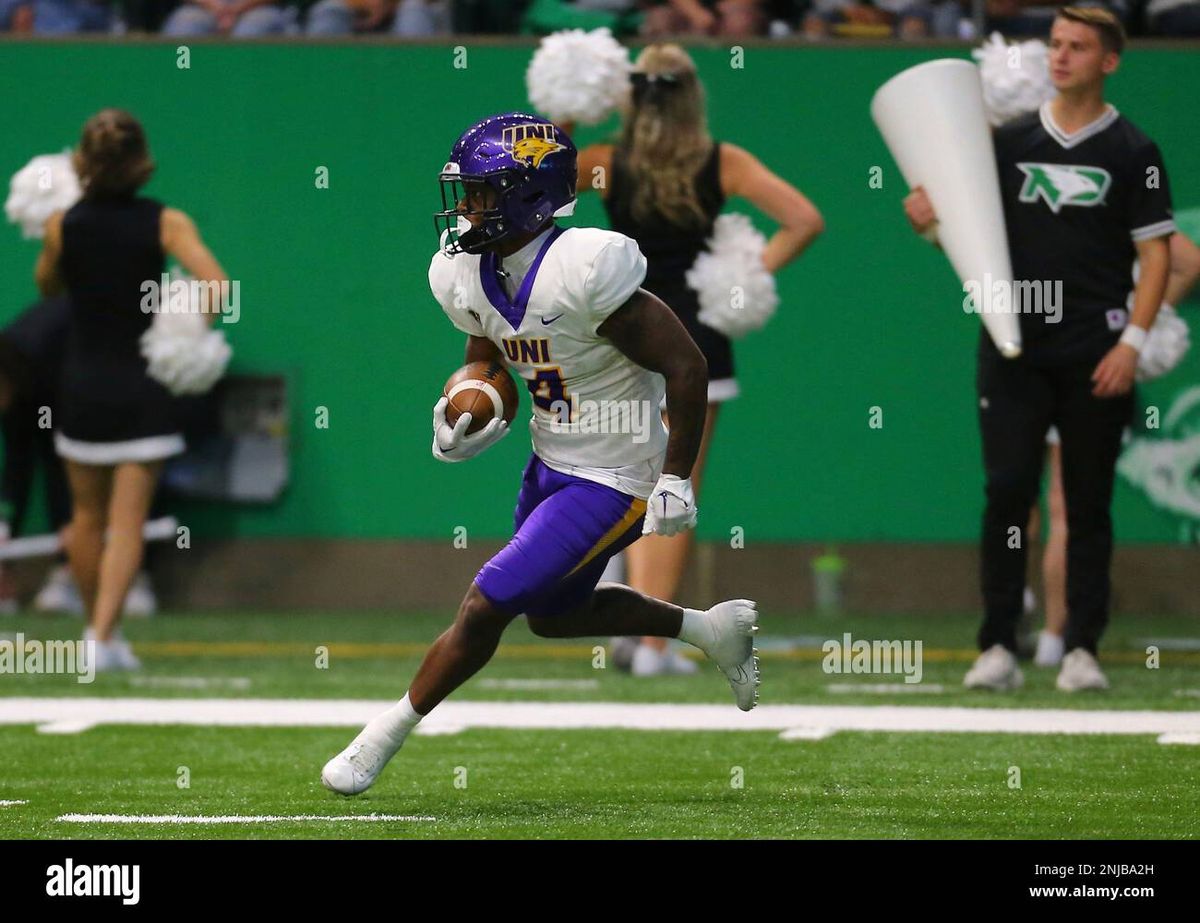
(1166, 344)
(1016, 78)
(180, 349)
(578, 76)
(45, 185)
(737, 293)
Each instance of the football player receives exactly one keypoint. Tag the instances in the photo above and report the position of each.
(563, 307)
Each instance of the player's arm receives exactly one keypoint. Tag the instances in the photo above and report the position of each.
(1115, 373)
(1185, 268)
(649, 333)
(743, 174)
(481, 349)
(45, 271)
(181, 239)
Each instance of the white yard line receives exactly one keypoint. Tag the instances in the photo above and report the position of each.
(4, 803)
(353, 713)
(231, 818)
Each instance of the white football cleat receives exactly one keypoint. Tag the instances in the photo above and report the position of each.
(733, 625)
(1080, 670)
(355, 769)
(996, 668)
(1049, 650)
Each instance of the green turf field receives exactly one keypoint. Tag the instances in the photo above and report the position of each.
(591, 782)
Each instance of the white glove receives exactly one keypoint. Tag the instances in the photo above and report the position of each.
(452, 444)
(672, 506)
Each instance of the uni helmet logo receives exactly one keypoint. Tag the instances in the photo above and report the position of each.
(1064, 184)
(530, 144)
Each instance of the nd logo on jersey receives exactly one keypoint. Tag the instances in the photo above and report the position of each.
(530, 144)
(1062, 184)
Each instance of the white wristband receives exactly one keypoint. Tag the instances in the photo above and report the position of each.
(1134, 336)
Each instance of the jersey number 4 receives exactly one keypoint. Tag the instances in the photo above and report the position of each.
(549, 393)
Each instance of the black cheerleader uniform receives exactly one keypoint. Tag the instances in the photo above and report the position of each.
(110, 411)
(670, 251)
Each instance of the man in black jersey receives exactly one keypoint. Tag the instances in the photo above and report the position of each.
(1085, 195)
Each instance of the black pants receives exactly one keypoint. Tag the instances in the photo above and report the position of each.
(1017, 404)
(27, 445)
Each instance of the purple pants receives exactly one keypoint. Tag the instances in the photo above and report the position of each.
(565, 530)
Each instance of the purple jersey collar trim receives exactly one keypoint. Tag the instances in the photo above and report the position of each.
(512, 311)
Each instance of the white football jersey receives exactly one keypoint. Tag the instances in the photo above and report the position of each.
(595, 411)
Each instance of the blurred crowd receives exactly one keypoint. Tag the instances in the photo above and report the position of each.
(651, 19)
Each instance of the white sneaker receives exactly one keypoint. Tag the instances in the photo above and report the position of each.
(126, 659)
(140, 601)
(678, 665)
(648, 661)
(59, 593)
(622, 651)
(995, 668)
(355, 769)
(105, 657)
(732, 649)
(1080, 670)
(112, 655)
(1049, 650)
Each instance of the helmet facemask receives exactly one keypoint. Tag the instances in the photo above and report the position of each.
(466, 196)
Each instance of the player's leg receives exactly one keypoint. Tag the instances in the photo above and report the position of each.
(1092, 430)
(1054, 567)
(1015, 409)
(578, 607)
(460, 651)
(656, 563)
(457, 655)
(133, 486)
(91, 487)
(513, 576)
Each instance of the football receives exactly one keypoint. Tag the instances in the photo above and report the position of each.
(483, 389)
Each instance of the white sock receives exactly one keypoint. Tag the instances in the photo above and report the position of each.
(695, 629)
(388, 729)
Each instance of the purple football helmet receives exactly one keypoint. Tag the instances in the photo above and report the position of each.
(530, 165)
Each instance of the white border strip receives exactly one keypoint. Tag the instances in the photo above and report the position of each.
(354, 713)
(231, 818)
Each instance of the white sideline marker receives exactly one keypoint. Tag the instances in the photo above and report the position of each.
(1189, 739)
(65, 727)
(5, 803)
(232, 818)
(354, 713)
(806, 734)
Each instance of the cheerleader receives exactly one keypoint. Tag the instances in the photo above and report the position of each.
(114, 424)
(664, 184)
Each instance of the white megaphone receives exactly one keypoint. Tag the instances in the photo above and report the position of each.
(932, 118)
